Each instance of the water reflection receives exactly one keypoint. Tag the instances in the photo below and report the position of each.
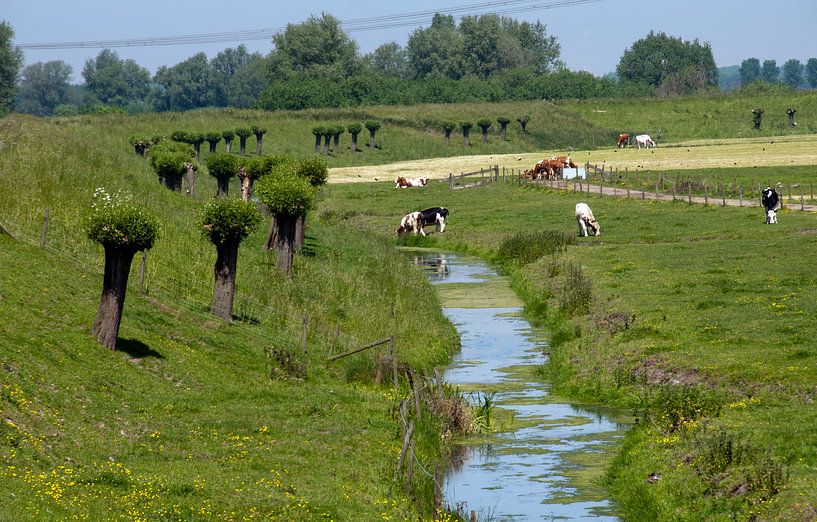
(520, 474)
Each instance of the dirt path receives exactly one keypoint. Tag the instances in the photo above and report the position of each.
(731, 153)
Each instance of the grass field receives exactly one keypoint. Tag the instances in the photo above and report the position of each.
(699, 319)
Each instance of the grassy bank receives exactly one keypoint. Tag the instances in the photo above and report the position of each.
(195, 418)
(698, 318)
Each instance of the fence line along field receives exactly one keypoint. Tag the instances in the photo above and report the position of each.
(743, 153)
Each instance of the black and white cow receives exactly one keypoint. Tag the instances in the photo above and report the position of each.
(435, 215)
(770, 200)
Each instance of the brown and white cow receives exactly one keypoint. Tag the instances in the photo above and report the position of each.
(623, 140)
(412, 223)
(402, 182)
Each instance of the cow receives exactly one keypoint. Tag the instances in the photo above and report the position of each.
(563, 161)
(411, 223)
(645, 140)
(770, 200)
(584, 217)
(402, 182)
(435, 216)
(623, 140)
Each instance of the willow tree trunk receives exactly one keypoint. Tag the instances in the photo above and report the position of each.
(213, 145)
(224, 286)
(447, 136)
(223, 183)
(317, 142)
(503, 131)
(190, 175)
(174, 181)
(285, 241)
(197, 146)
(258, 140)
(326, 139)
(354, 142)
(371, 138)
(242, 145)
(484, 136)
(272, 236)
(246, 184)
(336, 143)
(228, 144)
(465, 137)
(300, 231)
(114, 285)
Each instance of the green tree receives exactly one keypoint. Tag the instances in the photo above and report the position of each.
(222, 167)
(337, 130)
(246, 85)
(372, 126)
(388, 59)
(792, 73)
(465, 126)
(318, 132)
(523, 123)
(226, 222)
(481, 45)
(123, 228)
(436, 49)
(11, 59)
(212, 138)
(653, 58)
(484, 124)
(228, 136)
(318, 46)
(526, 45)
(354, 129)
(224, 67)
(287, 196)
(749, 71)
(109, 80)
(243, 133)
(43, 87)
(448, 126)
(503, 122)
(770, 71)
(259, 137)
(168, 159)
(811, 72)
(187, 85)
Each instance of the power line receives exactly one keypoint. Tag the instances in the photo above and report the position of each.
(417, 18)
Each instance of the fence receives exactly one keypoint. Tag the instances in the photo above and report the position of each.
(486, 176)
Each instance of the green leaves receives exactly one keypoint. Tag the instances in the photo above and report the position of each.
(222, 165)
(285, 194)
(119, 222)
(226, 220)
(169, 157)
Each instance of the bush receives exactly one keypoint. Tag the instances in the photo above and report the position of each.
(226, 220)
(315, 170)
(222, 165)
(119, 222)
(168, 158)
(285, 194)
(575, 295)
(526, 248)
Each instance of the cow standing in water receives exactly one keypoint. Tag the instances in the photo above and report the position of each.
(770, 200)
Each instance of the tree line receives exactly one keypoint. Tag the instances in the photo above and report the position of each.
(315, 64)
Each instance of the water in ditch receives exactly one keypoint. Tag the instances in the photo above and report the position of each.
(547, 459)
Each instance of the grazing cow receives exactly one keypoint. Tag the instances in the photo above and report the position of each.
(770, 200)
(563, 161)
(411, 223)
(584, 216)
(402, 182)
(645, 140)
(623, 140)
(435, 216)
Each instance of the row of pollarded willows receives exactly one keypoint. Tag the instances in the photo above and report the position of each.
(142, 144)
(325, 133)
(287, 188)
(484, 124)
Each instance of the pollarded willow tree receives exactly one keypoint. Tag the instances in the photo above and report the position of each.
(316, 171)
(287, 196)
(140, 145)
(242, 133)
(354, 129)
(123, 227)
(503, 122)
(212, 138)
(168, 159)
(228, 136)
(448, 126)
(222, 167)
(465, 126)
(226, 222)
(196, 139)
(317, 131)
(259, 137)
(373, 126)
(484, 125)
(337, 130)
(523, 123)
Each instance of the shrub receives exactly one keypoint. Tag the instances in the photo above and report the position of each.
(117, 221)
(227, 220)
(526, 248)
(285, 195)
(575, 295)
(315, 170)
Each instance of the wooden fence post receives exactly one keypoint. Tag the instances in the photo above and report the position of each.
(740, 193)
(642, 189)
(304, 332)
(393, 362)
(723, 195)
(706, 195)
(450, 181)
(689, 191)
(45, 228)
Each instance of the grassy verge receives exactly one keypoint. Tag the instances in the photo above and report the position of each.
(195, 418)
(698, 318)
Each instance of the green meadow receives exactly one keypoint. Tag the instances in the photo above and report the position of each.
(697, 319)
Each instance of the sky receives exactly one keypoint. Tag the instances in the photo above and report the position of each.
(593, 34)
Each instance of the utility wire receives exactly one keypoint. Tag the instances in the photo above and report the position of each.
(504, 7)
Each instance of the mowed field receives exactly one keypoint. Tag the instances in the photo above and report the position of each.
(741, 153)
